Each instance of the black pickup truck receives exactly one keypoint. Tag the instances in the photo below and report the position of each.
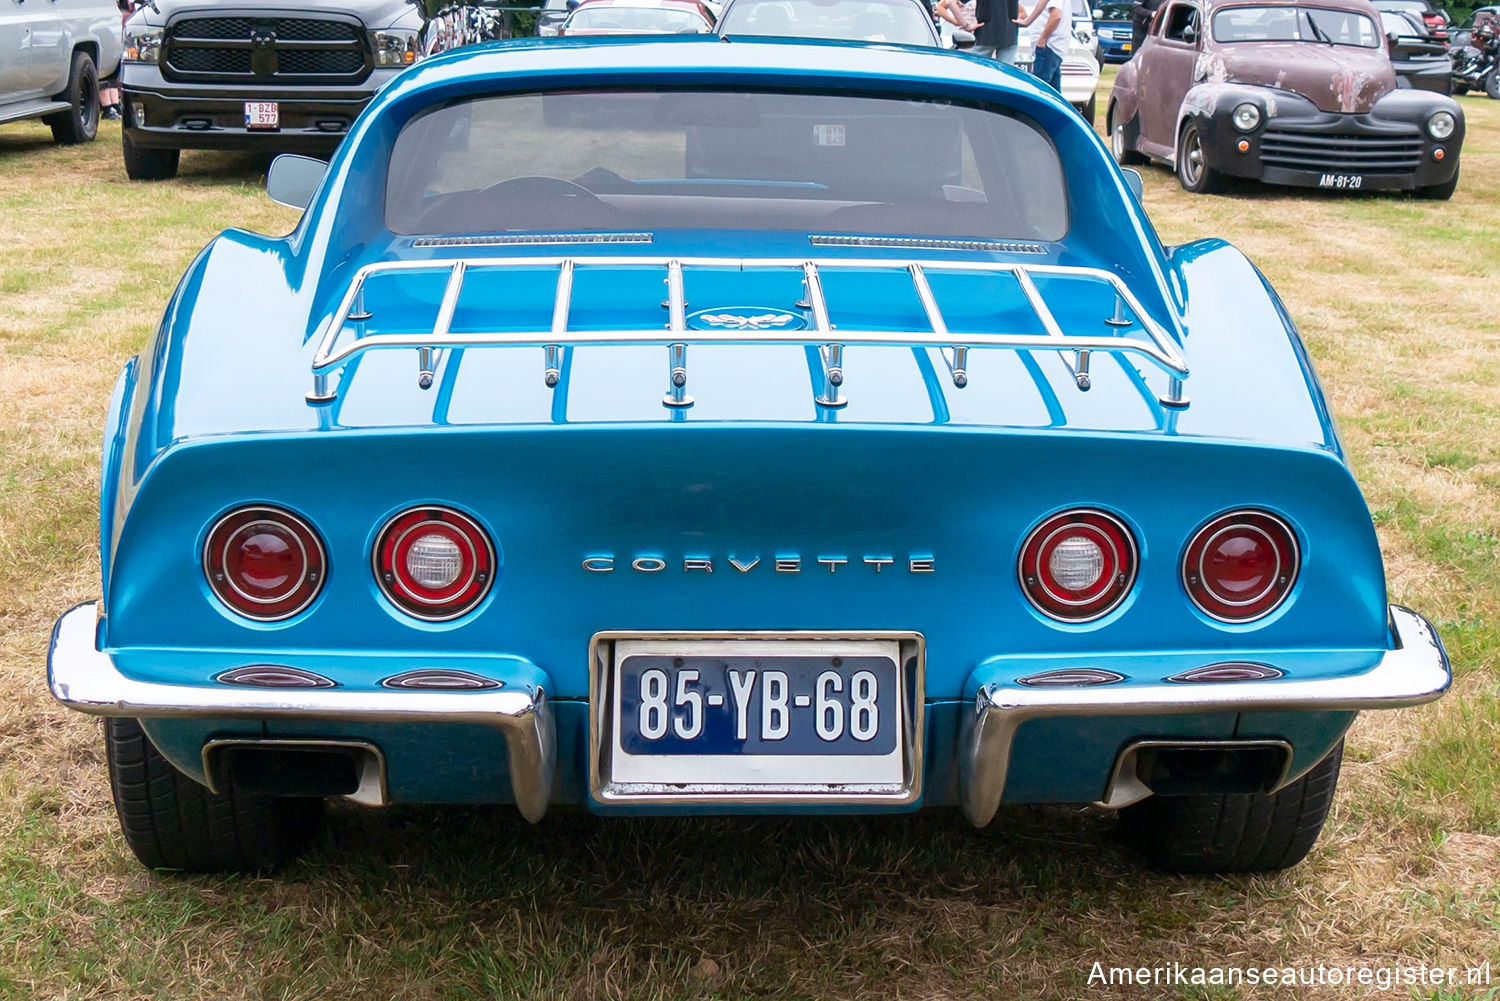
(278, 77)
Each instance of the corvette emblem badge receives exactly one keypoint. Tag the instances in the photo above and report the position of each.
(745, 318)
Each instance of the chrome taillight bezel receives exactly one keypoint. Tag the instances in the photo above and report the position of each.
(1278, 534)
(235, 597)
(409, 595)
(1121, 565)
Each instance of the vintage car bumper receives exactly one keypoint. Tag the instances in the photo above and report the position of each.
(969, 745)
(1296, 144)
(160, 113)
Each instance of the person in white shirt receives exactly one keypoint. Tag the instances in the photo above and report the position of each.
(1052, 41)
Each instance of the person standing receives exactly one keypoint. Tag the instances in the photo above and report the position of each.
(995, 30)
(1141, 14)
(1052, 41)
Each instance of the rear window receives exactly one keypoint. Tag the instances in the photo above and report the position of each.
(637, 160)
(1296, 24)
(645, 20)
(854, 20)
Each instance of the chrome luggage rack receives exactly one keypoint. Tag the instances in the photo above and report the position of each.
(1157, 347)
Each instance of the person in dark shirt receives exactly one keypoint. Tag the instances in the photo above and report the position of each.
(995, 30)
(1141, 13)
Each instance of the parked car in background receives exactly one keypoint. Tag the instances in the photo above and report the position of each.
(908, 22)
(1112, 23)
(52, 55)
(1421, 62)
(1431, 18)
(1282, 92)
(1080, 70)
(551, 17)
(813, 432)
(638, 17)
(258, 76)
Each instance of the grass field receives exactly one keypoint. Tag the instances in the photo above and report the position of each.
(1397, 301)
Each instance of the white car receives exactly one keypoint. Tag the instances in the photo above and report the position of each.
(52, 55)
(1080, 69)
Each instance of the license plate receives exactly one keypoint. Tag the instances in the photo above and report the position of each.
(1342, 182)
(1126, 47)
(262, 115)
(741, 715)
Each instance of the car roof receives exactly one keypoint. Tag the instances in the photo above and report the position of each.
(1352, 6)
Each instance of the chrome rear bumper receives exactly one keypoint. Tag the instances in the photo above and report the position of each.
(1414, 671)
(83, 678)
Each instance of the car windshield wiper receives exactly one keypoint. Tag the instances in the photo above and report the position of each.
(1313, 24)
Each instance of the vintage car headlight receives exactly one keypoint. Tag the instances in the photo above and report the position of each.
(142, 44)
(395, 46)
(1441, 125)
(1246, 117)
(264, 563)
(1078, 565)
(1241, 565)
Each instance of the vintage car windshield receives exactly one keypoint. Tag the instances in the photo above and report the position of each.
(1114, 11)
(869, 21)
(617, 17)
(641, 160)
(1321, 25)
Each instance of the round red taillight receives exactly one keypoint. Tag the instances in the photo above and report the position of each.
(1240, 565)
(264, 563)
(1078, 565)
(434, 563)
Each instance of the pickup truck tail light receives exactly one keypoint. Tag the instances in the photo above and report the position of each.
(1078, 565)
(434, 563)
(265, 563)
(1241, 565)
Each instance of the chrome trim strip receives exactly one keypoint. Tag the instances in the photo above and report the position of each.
(1415, 670)
(912, 649)
(1125, 785)
(372, 790)
(81, 677)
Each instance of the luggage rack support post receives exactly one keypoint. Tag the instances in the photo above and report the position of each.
(562, 304)
(677, 394)
(428, 356)
(831, 353)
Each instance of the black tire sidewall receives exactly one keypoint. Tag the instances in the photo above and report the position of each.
(82, 122)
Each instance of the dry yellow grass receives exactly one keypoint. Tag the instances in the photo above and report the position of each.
(1393, 300)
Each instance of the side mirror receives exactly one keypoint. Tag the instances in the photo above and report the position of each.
(292, 179)
(1133, 182)
(1190, 34)
(1098, 14)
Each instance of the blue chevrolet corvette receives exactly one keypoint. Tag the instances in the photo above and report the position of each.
(665, 427)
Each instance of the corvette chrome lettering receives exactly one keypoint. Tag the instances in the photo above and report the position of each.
(784, 564)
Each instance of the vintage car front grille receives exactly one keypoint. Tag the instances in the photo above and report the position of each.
(276, 50)
(1350, 153)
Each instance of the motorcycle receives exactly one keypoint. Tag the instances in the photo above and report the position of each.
(457, 24)
(1474, 64)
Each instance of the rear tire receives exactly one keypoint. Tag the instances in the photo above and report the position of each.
(172, 822)
(1193, 171)
(1492, 85)
(1124, 155)
(80, 123)
(1089, 109)
(143, 163)
(1235, 833)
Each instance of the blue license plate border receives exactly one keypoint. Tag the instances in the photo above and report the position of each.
(617, 777)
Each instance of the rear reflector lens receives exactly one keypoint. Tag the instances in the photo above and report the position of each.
(1241, 565)
(434, 563)
(264, 563)
(1078, 565)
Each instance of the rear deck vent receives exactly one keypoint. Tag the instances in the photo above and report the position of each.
(441, 679)
(530, 239)
(916, 243)
(274, 676)
(1071, 677)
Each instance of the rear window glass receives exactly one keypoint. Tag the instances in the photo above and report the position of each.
(854, 20)
(616, 17)
(645, 160)
(1296, 24)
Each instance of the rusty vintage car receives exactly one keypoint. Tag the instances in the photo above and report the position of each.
(1282, 92)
